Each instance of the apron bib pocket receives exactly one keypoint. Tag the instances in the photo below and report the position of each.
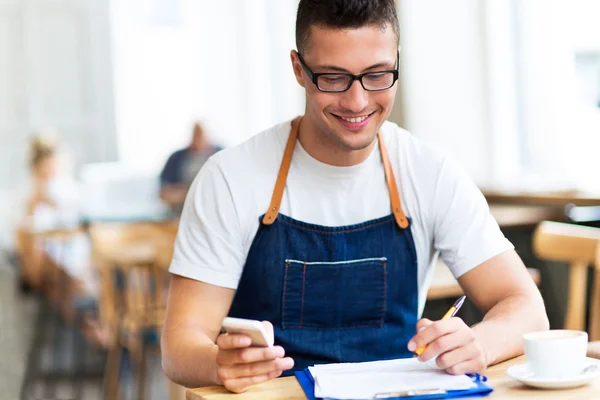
(333, 295)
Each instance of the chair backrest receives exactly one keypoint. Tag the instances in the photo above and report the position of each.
(133, 279)
(578, 246)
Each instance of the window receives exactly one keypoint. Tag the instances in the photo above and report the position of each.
(223, 62)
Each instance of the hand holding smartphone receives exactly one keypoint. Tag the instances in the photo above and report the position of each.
(243, 363)
(252, 328)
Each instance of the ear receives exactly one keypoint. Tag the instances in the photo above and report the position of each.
(298, 71)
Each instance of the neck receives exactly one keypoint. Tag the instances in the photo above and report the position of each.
(324, 149)
(39, 184)
(199, 148)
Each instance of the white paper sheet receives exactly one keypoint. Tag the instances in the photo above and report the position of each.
(357, 381)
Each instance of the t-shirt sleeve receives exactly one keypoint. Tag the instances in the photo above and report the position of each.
(208, 247)
(465, 232)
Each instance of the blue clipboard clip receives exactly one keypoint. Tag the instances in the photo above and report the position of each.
(409, 393)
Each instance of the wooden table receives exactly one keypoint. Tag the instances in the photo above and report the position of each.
(504, 388)
(513, 216)
(550, 198)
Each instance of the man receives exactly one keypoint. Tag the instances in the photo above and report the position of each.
(182, 166)
(329, 232)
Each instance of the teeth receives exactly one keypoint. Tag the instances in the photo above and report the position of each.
(355, 120)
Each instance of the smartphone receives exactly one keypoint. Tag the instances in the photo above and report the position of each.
(250, 327)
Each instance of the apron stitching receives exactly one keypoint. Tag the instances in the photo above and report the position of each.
(332, 233)
(287, 264)
(382, 259)
(373, 324)
(384, 292)
(302, 305)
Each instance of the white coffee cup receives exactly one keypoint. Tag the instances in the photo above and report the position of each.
(556, 354)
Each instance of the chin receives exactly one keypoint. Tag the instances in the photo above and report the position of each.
(354, 140)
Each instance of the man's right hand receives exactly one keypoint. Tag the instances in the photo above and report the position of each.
(240, 366)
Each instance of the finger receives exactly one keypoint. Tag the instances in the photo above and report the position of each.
(255, 369)
(269, 331)
(472, 366)
(434, 331)
(446, 343)
(423, 323)
(242, 384)
(457, 356)
(249, 355)
(228, 341)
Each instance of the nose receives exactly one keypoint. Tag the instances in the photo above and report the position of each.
(355, 99)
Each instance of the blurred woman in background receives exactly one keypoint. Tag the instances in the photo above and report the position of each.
(51, 203)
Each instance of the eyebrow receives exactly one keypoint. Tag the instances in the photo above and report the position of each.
(343, 70)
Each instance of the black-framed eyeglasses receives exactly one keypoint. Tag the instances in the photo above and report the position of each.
(335, 82)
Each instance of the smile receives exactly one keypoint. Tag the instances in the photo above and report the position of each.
(355, 119)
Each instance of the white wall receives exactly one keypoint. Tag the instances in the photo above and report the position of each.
(55, 71)
(225, 62)
(495, 83)
(444, 86)
(560, 131)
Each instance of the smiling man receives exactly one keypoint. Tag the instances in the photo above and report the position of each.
(328, 227)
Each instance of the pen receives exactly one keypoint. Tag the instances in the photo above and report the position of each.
(449, 314)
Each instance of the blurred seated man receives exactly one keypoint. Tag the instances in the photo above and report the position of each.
(182, 166)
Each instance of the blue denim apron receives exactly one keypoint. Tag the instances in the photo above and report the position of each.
(333, 294)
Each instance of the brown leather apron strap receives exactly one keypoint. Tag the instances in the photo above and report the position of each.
(284, 168)
(401, 219)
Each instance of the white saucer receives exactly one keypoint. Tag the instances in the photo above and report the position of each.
(523, 373)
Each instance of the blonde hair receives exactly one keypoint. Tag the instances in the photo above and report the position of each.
(41, 147)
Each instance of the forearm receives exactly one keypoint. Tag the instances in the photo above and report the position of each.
(189, 358)
(503, 326)
(173, 194)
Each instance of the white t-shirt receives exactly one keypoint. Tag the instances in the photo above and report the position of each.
(64, 192)
(220, 218)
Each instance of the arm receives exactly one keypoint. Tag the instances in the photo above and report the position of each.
(194, 314)
(193, 353)
(37, 197)
(491, 274)
(173, 194)
(172, 191)
(208, 260)
(503, 289)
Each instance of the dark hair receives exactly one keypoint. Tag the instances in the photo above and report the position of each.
(343, 14)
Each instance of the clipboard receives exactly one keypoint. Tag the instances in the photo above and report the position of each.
(307, 383)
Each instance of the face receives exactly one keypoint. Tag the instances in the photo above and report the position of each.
(46, 168)
(349, 120)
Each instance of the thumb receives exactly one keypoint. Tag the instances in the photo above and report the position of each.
(270, 332)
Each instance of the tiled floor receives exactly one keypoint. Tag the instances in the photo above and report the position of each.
(18, 317)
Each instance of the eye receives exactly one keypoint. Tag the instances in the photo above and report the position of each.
(377, 76)
(332, 79)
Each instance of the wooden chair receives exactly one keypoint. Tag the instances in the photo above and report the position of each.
(579, 246)
(593, 350)
(68, 299)
(133, 293)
